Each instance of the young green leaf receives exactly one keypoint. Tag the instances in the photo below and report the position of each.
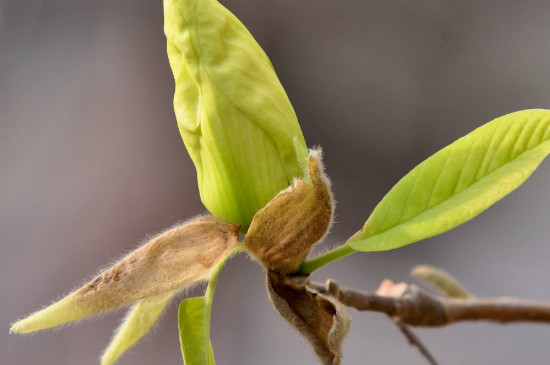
(137, 323)
(194, 322)
(194, 329)
(233, 114)
(458, 182)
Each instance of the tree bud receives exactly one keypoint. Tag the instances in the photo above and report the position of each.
(283, 232)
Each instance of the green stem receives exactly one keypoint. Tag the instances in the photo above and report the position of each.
(337, 253)
(211, 288)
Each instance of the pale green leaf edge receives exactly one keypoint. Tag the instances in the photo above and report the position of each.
(466, 204)
(140, 319)
(194, 321)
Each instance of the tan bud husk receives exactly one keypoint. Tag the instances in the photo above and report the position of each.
(283, 232)
(320, 318)
(172, 260)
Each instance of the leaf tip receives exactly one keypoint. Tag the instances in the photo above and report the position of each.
(24, 325)
(16, 328)
(107, 359)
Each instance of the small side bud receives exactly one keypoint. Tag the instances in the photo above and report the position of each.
(283, 232)
(173, 260)
(441, 280)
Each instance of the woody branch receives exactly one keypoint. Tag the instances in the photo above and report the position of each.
(414, 306)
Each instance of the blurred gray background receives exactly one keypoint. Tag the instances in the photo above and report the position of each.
(91, 162)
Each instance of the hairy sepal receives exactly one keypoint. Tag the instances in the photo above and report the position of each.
(282, 233)
(172, 260)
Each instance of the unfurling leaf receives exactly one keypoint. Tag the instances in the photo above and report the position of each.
(233, 114)
(320, 318)
(458, 182)
(194, 327)
(283, 232)
(194, 322)
(141, 317)
(173, 260)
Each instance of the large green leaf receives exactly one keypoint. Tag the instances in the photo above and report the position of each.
(194, 322)
(458, 182)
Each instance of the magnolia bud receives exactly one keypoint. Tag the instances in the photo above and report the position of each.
(233, 114)
(282, 234)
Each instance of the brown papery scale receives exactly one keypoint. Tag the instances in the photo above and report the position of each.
(319, 317)
(283, 232)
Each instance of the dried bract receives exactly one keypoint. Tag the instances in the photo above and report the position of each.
(320, 318)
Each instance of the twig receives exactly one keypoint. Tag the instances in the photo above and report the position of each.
(415, 341)
(409, 305)
(332, 288)
(414, 306)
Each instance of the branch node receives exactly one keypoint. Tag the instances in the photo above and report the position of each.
(333, 289)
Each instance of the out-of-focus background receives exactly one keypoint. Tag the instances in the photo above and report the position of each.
(91, 162)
